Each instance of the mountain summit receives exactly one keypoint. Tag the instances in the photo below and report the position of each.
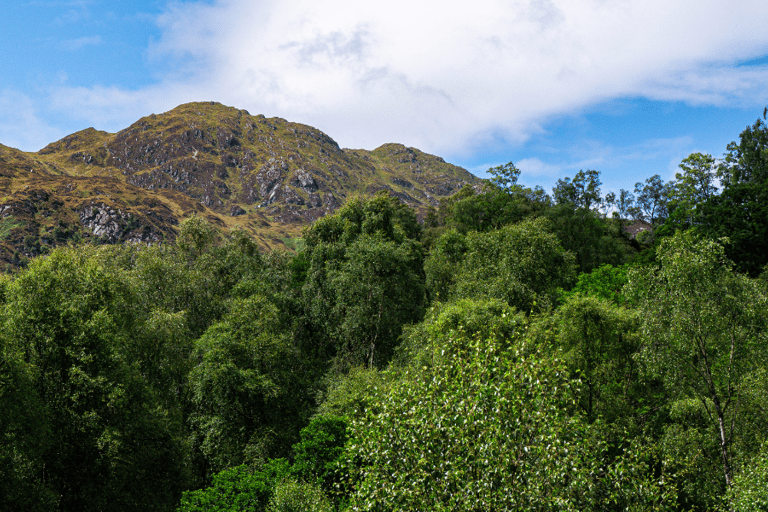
(266, 175)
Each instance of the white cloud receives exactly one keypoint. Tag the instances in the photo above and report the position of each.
(444, 78)
(113, 108)
(535, 167)
(20, 125)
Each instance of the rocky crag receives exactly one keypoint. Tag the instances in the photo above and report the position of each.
(268, 176)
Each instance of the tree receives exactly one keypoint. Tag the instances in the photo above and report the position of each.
(692, 188)
(522, 264)
(704, 329)
(442, 263)
(486, 425)
(505, 176)
(378, 289)
(599, 341)
(749, 492)
(625, 204)
(25, 437)
(593, 240)
(501, 202)
(318, 454)
(740, 212)
(365, 279)
(494, 208)
(582, 192)
(237, 489)
(246, 387)
(581, 228)
(605, 282)
(651, 198)
(68, 324)
(476, 431)
(296, 496)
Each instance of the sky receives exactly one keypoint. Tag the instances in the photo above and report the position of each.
(626, 87)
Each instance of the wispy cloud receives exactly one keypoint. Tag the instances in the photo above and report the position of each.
(21, 126)
(76, 44)
(447, 79)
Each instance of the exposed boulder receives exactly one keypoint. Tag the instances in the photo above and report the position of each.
(305, 181)
(104, 221)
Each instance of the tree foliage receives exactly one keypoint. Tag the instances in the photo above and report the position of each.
(365, 278)
(487, 426)
(521, 264)
(599, 343)
(68, 332)
(740, 212)
(244, 386)
(605, 282)
(237, 489)
(704, 331)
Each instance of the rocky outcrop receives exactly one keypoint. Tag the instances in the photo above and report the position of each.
(104, 222)
(305, 181)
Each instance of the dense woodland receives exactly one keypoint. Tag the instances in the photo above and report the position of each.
(516, 351)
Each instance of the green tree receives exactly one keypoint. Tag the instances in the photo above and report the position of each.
(246, 387)
(652, 199)
(351, 394)
(593, 240)
(365, 278)
(69, 325)
(749, 492)
(581, 228)
(582, 192)
(317, 454)
(494, 208)
(500, 202)
(704, 331)
(422, 345)
(296, 496)
(442, 263)
(505, 176)
(599, 340)
(522, 264)
(486, 426)
(692, 188)
(605, 282)
(238, 489)
(625, 204)
(740, 212)
(25, 437)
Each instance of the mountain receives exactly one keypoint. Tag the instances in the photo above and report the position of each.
(268, 176)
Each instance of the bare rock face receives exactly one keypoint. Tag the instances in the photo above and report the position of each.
(290, 196)
(305, 181)
(104, 221)
(330, 201)
(268, 179)
(403, 183)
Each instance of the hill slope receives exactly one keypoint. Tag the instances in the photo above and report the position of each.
(268, 176)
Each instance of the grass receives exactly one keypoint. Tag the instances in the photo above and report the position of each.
(7, 225)
(295, 244)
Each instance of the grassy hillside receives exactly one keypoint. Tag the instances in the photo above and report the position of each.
(268, 176)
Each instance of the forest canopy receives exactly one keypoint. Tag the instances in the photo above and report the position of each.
(515, 350)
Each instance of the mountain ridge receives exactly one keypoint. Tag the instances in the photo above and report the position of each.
(268, 176)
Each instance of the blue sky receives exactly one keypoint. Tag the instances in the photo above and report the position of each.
(626, 87)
